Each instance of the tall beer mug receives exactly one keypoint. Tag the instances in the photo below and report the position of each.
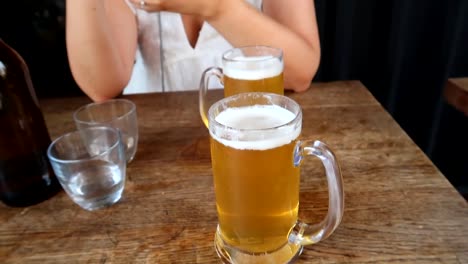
(256, 157)
(245, 69)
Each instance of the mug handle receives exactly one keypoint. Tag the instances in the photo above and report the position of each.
(205, 78)
(306, 234)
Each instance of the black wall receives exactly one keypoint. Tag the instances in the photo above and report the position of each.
(404, 52)
(36, 29)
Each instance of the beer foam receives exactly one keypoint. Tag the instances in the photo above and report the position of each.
(253, 68)
(249, 122)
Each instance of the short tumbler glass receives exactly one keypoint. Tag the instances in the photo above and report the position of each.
(90, 165)
(117, 113)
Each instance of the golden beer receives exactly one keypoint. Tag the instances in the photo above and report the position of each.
(245, 69)
(256, 155)
(256, 182)
(253, 74)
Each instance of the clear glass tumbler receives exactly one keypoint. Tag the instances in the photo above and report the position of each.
(117, 113)
(90, 165)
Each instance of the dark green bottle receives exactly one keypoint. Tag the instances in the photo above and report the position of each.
(26, 177)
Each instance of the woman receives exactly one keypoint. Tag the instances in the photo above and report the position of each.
(130, 46)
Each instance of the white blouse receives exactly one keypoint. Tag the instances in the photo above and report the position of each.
(165, 60)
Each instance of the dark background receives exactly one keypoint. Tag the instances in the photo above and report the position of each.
(403, 51)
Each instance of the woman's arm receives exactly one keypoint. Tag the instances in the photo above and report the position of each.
(101, 44)
(290, 25)
(303, 47)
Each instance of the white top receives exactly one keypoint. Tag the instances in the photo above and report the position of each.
(172, 64)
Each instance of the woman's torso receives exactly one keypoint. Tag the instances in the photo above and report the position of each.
(173, 64)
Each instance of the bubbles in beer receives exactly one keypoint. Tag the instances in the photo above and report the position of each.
(253, 127)
(253, 68)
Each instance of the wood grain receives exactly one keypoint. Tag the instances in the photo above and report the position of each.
(456, 94)
(398, 208)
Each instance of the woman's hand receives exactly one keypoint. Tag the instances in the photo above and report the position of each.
(201, 8)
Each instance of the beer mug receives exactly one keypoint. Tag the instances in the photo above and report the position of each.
(256, 154)
(245, 69)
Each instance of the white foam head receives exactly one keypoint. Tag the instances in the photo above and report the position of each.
(252, 127)
(253, 68)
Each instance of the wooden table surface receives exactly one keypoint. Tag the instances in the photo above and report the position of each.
(398, 208)
(456, 93)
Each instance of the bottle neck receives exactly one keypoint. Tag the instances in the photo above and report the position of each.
(2, 70)
(14, 74)
(2, 65)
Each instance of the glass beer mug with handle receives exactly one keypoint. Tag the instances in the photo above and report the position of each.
(245, 69)
(256, 154)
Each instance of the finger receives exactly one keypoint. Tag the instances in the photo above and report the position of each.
(148, 5)
(139, 3)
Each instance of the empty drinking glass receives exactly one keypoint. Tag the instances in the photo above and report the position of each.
(90, 165)
(117, 113)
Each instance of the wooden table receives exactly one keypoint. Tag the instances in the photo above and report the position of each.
(399, 207)
(456, 93)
